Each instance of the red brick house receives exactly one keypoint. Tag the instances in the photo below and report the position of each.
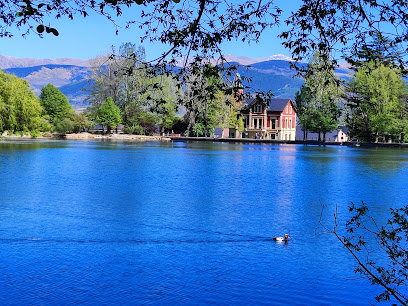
(273, 120)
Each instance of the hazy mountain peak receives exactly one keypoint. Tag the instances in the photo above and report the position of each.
(243, 60)
(13, 62)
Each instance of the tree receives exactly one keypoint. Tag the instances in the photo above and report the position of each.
(317, 102)
(365, 237)
(342, 27)
(121, 76)
(55, 104)
(380, 51)
(203, 99)
(108, 114)
(79, 122)
(20, 110)
(377, 98)
(163, 100)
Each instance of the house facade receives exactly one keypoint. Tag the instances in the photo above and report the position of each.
(273, 120)
(341, 136)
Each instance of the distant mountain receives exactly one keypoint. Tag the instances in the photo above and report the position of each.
(12, 62)
(243, 60)
(274, 75)
(70, 79)
(72, 75)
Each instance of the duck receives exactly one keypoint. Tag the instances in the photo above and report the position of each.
(281, 239)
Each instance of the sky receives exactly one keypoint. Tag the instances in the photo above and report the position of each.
(86, 38)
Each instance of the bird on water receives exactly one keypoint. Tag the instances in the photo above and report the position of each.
(281, 239)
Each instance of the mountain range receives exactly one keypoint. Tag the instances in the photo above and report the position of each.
(71, 75)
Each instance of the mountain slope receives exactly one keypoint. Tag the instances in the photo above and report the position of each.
(72, 80)
(72, 75)
(12, 62)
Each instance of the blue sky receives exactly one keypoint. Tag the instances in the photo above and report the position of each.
(89, 37)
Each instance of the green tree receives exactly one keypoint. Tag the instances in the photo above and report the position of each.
(163, 100)
(20, 110)
(55, 104)
(79, 122)
(317, 102)
(108, 114)
(121, 76)
(204, 100)
(377, 98)
(64, 126)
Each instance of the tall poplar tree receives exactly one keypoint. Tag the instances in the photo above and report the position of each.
(317, 102)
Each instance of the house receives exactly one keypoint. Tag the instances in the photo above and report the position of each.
(342, 136)
(273, 120)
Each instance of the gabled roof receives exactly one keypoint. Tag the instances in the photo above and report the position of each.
(252, 101)
(278, 105)
(275, 105)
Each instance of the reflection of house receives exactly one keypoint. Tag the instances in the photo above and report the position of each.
(275, 120)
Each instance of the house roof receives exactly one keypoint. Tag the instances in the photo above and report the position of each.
(276, 105)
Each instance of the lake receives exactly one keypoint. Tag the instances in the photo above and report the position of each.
(185, 223)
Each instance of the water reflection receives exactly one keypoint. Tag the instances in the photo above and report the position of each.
(186, 223)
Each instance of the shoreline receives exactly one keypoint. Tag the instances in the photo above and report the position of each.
(85, 136)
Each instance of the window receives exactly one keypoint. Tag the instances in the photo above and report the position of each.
(287, 109)
(258, 108)
(286, 123)
(272, 135)
(273, 124)
(290, 123)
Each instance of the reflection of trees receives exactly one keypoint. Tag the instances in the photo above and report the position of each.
(18, 145)
(384, 161)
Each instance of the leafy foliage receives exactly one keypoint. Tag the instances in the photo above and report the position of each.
(366, 240)
(377, 98)
(20, 110)
(194, 28)
(317, 102)
(330, 26)
(55, 103)
(203, 100)
(108, 114)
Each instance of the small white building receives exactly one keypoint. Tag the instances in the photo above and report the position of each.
(341, 136)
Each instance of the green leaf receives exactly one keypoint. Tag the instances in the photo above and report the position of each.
(40, 28)
(54, 31)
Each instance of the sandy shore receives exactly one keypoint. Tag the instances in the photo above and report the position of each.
(89, 136)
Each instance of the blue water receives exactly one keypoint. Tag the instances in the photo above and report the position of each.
(185, 223)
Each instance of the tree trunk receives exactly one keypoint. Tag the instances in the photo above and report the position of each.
(320, 138)
(324, 136)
